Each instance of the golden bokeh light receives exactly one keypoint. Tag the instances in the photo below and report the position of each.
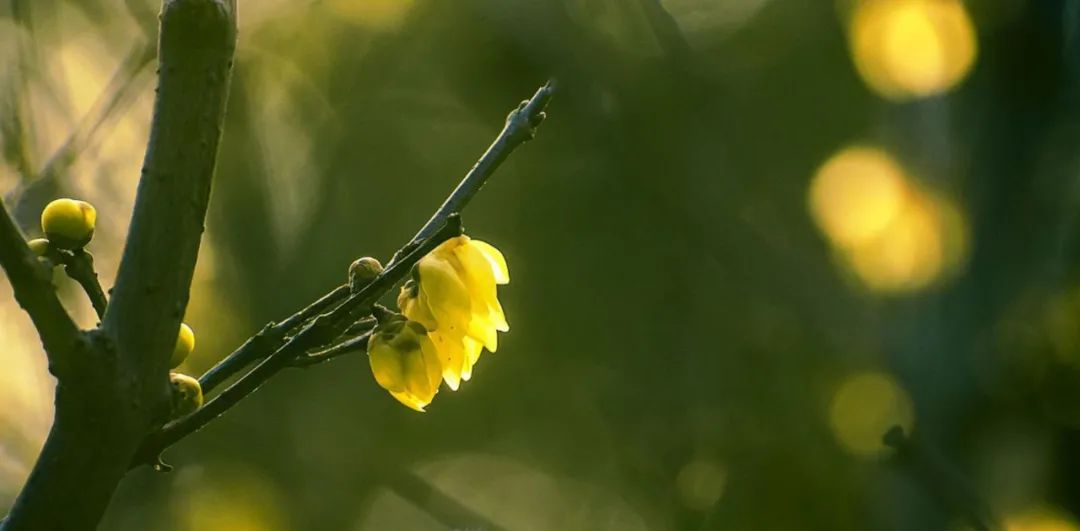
(912, 48)
(893, 234)
(864, 407)
(906, 255)
(856, 193)
(1041, 519)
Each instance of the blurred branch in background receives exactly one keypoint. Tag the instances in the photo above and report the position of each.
(436, 503)
(123, 87)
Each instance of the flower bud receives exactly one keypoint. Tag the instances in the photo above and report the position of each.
(39, 246)
(362, 272)
(187, 395)
(185, 343)
(69, 224)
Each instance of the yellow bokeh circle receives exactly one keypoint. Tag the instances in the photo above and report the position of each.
(864, 407)
(912, 48)
(855, 194)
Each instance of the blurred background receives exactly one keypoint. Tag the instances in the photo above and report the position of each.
(752, 237)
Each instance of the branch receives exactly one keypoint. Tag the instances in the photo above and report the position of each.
(79, 265)
(197, 42)
(347, 309)
(520, 127)
(267, 340)
(356, 344)
(120, 390)
(32, 284)
(320, 331)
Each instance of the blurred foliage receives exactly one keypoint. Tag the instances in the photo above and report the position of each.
(752, 235)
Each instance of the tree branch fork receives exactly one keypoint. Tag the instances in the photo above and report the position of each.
(112, 381)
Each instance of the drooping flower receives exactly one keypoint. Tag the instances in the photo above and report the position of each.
(404, 362)
(455, 298)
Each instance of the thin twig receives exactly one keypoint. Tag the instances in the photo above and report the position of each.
(356, 344)
(269, 339)
(520, 127)
(79, 265)
(320, 331)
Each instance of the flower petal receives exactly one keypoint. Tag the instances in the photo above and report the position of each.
(496, 259)
(480, 280)
(445, 293)
(409, 400)
(385, 364)
(451, 353)
(473, 349)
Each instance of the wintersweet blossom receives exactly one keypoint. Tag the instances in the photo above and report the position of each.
(454, 297)
(404, 362)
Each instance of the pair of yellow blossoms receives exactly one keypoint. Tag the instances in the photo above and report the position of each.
(451, 314)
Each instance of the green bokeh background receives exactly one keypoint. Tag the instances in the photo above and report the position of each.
(679, 324)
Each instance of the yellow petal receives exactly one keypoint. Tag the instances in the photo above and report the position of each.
(445, 294)
(451, 352)
(480, 280)
(410, 400)
(473, 349)
(385, 364)
(417, 310)
(416, 375)
(496, 259)
(432, 363)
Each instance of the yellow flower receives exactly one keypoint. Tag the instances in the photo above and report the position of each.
(456, 300)
(405, 363)
(69, 224)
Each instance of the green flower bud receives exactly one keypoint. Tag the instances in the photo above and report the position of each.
(187, 395)
(362, 272)
(69, 224)
(185, 343)
(40, 246)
